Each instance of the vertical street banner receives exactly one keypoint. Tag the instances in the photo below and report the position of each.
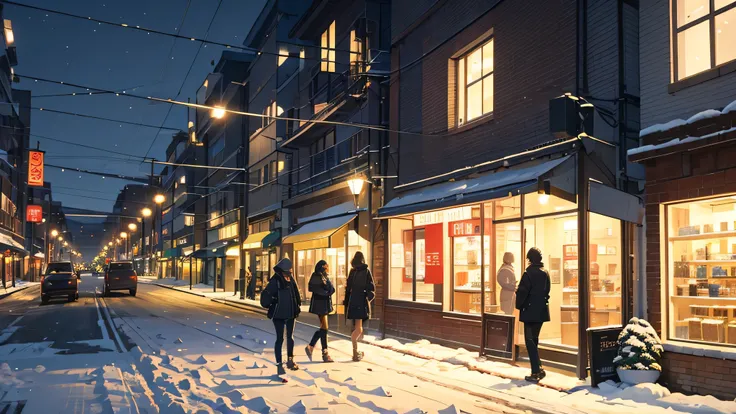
(434, 241)
(35, 168)
(34, 213)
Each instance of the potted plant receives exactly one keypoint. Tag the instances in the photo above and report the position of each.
(639, 353)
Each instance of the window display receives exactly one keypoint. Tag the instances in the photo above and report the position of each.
(701, 254)
(466, 265)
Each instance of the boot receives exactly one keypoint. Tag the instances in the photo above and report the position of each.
(308, 350)
(326, 356)
(291, 364)
(536, 377)
(280, 369)
(357, 355)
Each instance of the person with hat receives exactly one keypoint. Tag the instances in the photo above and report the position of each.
(282, 299)
(532, 300)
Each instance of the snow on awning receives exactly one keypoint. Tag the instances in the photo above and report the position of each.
(39, 255)
(316, 234)
(7, 243)
(484, 187)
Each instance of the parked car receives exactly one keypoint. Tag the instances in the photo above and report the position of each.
(120, 276)
(59, 280)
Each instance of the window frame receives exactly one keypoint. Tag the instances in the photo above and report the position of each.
(463, 57)
(709, 17)
(328, 49)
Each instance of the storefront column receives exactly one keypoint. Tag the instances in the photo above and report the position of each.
(583, 267)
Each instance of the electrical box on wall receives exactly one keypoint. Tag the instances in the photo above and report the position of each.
(569, 116)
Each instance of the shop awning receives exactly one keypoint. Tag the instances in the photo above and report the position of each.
(262, 240)
(216, 249)
(316, 234)
(7, 243)
(517, 180)
(39, 255)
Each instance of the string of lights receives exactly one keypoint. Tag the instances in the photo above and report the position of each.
(143, 180)
(177, 36)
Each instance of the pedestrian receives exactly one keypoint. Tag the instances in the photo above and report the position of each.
(321, 305)
(282, 299)
(251, 284)
(359, 293)
(507, 279)
(532, 299)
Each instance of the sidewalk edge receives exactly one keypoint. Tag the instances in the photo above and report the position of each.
(178, 290)
(20, 289)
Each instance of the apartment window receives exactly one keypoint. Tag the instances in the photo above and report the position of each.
(271, 111)
(265, 177)
(188, 221)
(272, 170)
(255, 178)
(356, 51)
(703, 35)
(328, 49)
(475, 83)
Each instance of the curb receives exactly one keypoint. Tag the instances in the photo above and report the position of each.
(5, 295)
(178, 290)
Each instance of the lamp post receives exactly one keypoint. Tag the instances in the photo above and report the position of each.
(159, 200)
(146, 212)
(356, 186)
(124, 236)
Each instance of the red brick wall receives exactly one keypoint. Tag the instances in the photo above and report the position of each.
(699, 375)
(685, 176)
(434, 325)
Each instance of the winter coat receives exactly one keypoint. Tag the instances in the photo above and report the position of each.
(359, 293)
(281, 298)
(321, 287)
(507, 279)
(532, 296)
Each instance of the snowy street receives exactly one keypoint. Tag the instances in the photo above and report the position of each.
(169, 351)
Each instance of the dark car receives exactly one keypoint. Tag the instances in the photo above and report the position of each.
(120, 276)
(59, 280)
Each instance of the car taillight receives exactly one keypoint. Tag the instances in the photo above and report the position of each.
(42, 279)
(135, 277)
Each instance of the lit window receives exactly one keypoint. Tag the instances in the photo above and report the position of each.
(283, 55)
(475, 83)
(700, 30)
(183, 179)
(328, 49)
(189, 221)
(356, 49)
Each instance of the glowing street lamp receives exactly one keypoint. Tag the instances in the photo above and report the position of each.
(146, 212)
(356, 186)
(159, 199)
(218, 112)
(54, 233)
(132, 227)
(123, 235)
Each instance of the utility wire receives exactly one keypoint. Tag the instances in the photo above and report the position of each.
(117, 121)
(162, 33)
(196, 55)
(80, 145)
(119, 176)
(173, 42)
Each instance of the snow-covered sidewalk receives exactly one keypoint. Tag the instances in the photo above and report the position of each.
(19, 285)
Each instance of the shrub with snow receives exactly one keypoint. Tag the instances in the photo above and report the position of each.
(639, 347)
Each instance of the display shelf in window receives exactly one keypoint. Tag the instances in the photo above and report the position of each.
(704, 236)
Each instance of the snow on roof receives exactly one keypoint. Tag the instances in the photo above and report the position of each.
(661, 127)
(729, 108)
(708, 113)
(330, 212)
(676, 141)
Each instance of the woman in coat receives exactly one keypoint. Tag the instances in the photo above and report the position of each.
(282, 299)
(507, 279)
(532, 299)
(359, 293)
(321, 305)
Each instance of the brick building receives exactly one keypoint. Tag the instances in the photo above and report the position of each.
(479, 174)
(688, 87)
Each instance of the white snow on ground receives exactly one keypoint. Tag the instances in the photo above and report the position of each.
(19, 285)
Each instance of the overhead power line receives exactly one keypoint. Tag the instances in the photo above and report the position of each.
(142, 180)
(117, 121)
(162, 33)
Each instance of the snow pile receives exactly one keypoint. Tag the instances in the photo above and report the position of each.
(661, 127)
(676, 141)
(708, 113)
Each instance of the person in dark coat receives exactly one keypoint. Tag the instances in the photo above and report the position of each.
(359, 293)
(282, 299)
(532, 300)
(321, 287)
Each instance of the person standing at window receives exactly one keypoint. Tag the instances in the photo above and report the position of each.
(321, 305)
(507, 279)
(532, 299)
(282, 299)
(359, 293)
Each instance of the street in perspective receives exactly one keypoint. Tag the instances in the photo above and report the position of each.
(369, 206)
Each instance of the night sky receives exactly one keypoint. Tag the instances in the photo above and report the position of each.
(77, 51)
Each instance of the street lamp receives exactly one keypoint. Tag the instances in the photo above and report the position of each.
(126, 242)
(356, 186)
(54, 233)
(218, 112)
(159, 199)
(132, 227)
(146, 212)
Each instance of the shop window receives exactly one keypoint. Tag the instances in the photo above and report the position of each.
(537, 204)
(701, 270)
(466, 264)
(557, 238)
(327, 44)
(508, 208)
(605, 271)
(475, 83)
(702, 36)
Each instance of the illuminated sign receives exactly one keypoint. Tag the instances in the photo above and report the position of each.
(443, 216)
(35, 168)
(34, 214)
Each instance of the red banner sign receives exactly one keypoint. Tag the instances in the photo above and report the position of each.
(434, 242)
(35, 168)
(464, 228)
(34, 213)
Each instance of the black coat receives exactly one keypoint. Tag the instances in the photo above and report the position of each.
(359, 293)
(532, 296)
(321, 287)
(281, 298)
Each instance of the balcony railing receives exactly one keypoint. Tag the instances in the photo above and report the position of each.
(9, 222)
(328, 165)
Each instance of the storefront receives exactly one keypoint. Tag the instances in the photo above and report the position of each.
(261, 256)
(218, 264)
(691, 251)
(447, 242)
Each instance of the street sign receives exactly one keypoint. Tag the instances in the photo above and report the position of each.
(34, 213)
(35, 168)
(603, 347)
